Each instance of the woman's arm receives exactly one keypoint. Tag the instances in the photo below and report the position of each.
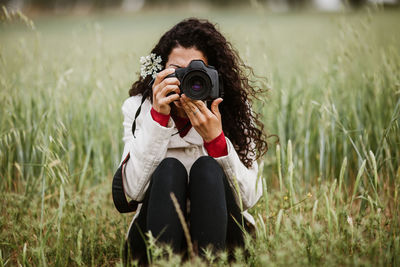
(243, 181)
(147, 149)
(149, 145)
(249, 191)
(208, 124)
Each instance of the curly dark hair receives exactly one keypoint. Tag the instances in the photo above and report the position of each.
(240, 124)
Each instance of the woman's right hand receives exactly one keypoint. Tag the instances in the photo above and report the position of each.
(161, 88)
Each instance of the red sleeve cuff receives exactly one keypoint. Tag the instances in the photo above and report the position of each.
(217, 147)
(160, 118)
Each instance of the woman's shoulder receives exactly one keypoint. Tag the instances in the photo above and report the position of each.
(132, 101)
(131, 104)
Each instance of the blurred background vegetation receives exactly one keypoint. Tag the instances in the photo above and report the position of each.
(331, 185)
(84, 6)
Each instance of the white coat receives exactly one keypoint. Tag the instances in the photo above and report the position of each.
(153, 142)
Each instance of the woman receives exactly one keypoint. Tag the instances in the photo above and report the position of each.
(206, 157)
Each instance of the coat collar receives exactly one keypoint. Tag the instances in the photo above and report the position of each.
(191, 138)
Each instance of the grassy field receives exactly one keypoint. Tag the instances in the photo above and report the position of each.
(331, 186)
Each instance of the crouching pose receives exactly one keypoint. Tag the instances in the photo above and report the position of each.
(196, 137)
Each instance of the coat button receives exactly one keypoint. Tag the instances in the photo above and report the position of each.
(191, 151)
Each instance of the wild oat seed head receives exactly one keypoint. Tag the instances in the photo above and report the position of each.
(350, 221)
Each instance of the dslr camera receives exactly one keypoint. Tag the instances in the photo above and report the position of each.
(199, 81)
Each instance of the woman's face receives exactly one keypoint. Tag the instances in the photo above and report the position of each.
(180, 57)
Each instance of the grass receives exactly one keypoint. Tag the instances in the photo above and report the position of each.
(331, 186)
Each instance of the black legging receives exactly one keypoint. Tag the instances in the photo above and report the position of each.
(212, 206)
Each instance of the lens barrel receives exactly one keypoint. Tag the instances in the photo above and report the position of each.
(196, 84)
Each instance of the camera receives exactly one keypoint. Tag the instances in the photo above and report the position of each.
(199, 81)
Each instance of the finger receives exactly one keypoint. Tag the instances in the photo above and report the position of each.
(185, 104)
(199, 118)
(162, 74)
(199, 108)
(215, 108)
(171, 98)
(168, 89)
(188, 110)
(202, 107)
(164, 83)
(190, 104)
(170, 80)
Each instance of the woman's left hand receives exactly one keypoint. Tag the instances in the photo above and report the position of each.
(206, 122)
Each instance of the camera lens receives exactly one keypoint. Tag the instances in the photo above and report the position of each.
(197, 85)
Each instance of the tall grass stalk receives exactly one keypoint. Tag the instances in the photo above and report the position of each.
(278, 221)
(341, 177)
(290, 169)
(266, 200)
(357, 182)
(279, 166)
(42, 210)
(59, 230)
(184, 225)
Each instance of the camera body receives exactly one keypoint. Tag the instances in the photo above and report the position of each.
(199, 81)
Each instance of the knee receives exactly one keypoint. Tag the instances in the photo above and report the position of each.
(205, 163)
(170, 171)
(171, 164)
(207, 171)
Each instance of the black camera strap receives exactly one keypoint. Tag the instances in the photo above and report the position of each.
(118, 192)
(145, 94)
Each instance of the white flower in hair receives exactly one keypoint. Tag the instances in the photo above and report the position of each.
(150, 65)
